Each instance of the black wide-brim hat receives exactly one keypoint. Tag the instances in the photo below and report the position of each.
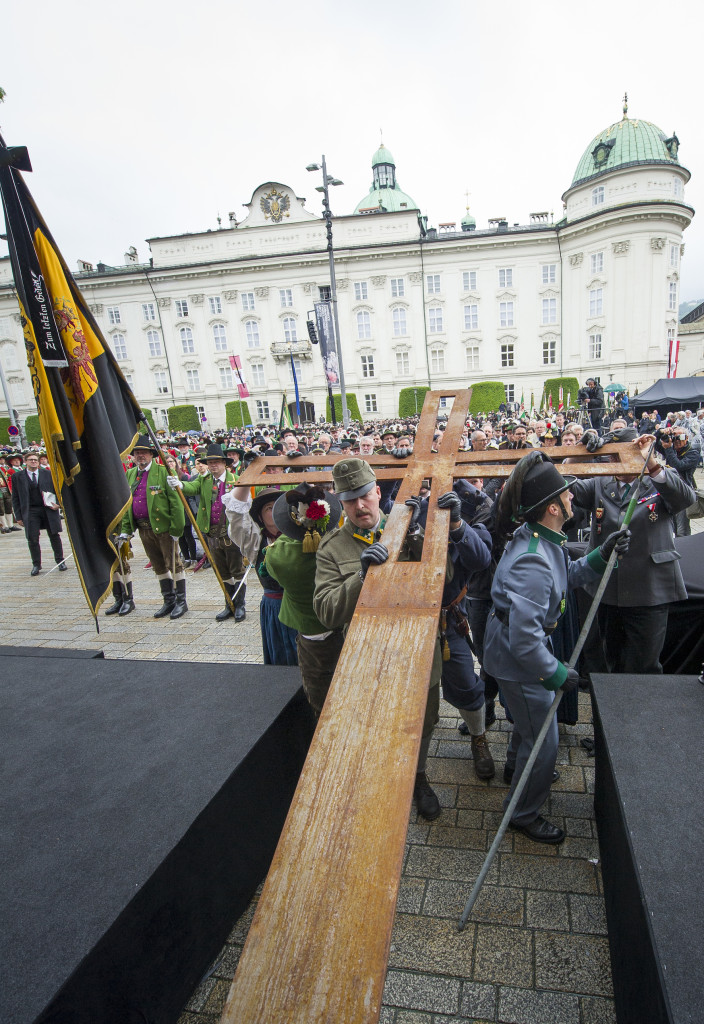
(215, 451)
(542, 482)
(262, 499)
(282, 517)
(145, 446)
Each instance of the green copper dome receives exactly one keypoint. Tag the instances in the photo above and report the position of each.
(468, 222)
(626, 143)
(383, 156)
(385, 194)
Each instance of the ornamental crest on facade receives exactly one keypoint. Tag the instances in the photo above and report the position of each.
(275, 205)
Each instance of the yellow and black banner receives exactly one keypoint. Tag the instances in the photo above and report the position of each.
(88, 414)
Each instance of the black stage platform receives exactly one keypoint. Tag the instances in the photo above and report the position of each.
(141, 805)
(649, 803)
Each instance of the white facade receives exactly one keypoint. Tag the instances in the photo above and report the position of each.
(594, 295)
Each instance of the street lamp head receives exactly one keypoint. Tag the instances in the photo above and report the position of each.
(313, 167)
(335, 181)
(319, 188)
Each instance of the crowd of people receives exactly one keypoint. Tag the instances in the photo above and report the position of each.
(509, 575)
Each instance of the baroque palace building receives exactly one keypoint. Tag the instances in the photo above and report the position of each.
(595, 294)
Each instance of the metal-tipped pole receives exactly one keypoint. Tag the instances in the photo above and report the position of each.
(525, 774)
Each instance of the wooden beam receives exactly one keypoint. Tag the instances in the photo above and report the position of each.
(317, 949)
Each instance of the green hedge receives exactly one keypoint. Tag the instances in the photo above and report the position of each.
(407, 401)
(183, 417)
(150, 416)
(236, 414)
(352, 407)
(487, 396)
(32, 429)
(569, 385)
(4, 424)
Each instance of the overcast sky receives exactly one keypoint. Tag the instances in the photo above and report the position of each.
(149, 118)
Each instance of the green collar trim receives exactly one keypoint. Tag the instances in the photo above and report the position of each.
(546, 534)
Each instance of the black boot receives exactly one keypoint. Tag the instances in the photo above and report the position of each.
(180, 608)
(118, 594)
(240, 610)
(227, 611)
(427, 803)
(128, 604)
(167, 589)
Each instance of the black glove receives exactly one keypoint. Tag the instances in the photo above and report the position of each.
(400, 453)
(295, 454)
(591, 440)
(414, 504)
(375, 554)
(452, 501)
(572, 681)
(250, 456)
(620, 540)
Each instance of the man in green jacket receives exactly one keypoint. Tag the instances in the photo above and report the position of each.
(341, 564)
(212, 520)
(157, 513)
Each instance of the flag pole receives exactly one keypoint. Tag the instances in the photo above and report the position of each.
(189, 513)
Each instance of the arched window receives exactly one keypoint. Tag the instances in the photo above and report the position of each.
(154, 342)
(252, 331)
(220, 336)
(289, 329)
(598, 195)
(364, 325)
(119, 346)
(187, 343)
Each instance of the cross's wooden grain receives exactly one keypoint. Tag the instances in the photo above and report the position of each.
(317, 949)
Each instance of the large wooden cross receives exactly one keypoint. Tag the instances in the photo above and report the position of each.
(317, 949)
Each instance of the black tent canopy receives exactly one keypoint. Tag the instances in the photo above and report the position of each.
(671, 394)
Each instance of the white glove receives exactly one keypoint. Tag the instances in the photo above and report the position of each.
(123, 537)
(174, 539)
(174, 482)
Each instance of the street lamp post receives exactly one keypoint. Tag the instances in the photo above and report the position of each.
(327, 217)
(415, 395)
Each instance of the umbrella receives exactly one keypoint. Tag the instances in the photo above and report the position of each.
(614, 387)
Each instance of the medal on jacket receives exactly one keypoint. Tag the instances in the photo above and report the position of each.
(599, 515)
(653, 517)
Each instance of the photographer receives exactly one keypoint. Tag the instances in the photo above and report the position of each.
(592, 398)
(674, 445)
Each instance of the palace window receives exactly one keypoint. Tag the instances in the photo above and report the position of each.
(598, 195)
(367, 366)
(262, 409)
(507, 355)
(398, 317)
(286, 296)
(192, 380)
(597, 262)
(364, 325)
(594, 346)
(181, 308)
(360, 291)
(248, 301)
(256, 371)
(433, 283)
(220, 338)
(215, 305)
(154, 342)
(251, 329)
(549, 311)
(469, 280)
(506, 314)
(549, 348)
(370, 403)
(471, 317)
(671, 297)
(472, 357)
(290, 329)
(403, 368)
(596, 301)
(506, 277)
(435, 322)
(226, 377)
(549, 273)
(187, 343)
(148, 311)
(398, 287)
(160, 382)
(119, 346)
(437, 360)
(114, 315)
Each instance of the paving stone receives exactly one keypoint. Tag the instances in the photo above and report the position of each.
(417, 831)
(571, 778)
(556, 874)
(226, 964)
(547, 910)
(459, 838)
(386, 1016)
(588, 914)
(520, 1006)
(463, 865)
(470, 819)
(522, 844)
(495, 904)
(504, 955)
(588, 849)
(455, 770)
(573, 963)
(478, 1001)
(578, 827)
(430, 944)
(218, 996)
(574, 805)
(200, 996)
(421, 992)
(484, 799)
(598, 1011)
(413, 1017)
(410, 895)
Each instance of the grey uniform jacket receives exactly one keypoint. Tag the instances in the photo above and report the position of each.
(648, 574)
(529, 588)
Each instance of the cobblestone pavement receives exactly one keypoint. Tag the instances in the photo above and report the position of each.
(535, 950)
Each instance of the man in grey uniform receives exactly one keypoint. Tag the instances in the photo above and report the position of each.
(529, 591)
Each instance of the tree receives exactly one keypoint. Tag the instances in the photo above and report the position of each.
(182, 418)
(32, 429)
(236, 415)
(570, 387)
(351, 405)
(487, 396)
(410, 401)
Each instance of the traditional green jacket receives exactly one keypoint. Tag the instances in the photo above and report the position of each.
(166, 513)
(205, 486)
(294, 570)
